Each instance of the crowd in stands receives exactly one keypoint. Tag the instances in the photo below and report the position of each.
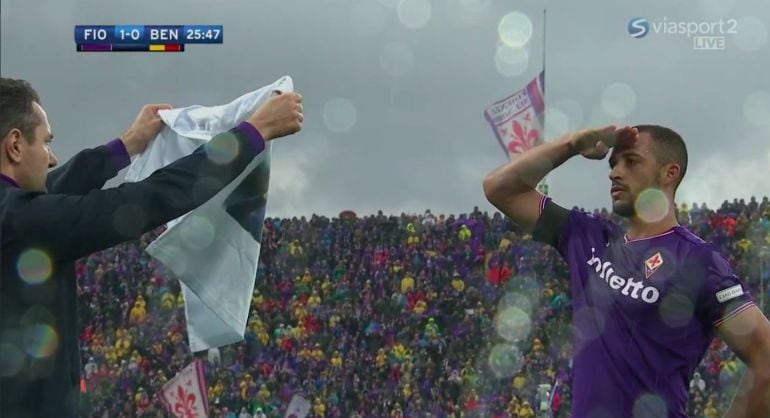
(381, 316)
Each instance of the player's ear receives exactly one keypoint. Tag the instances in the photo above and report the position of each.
(671, 173)
(11, 145)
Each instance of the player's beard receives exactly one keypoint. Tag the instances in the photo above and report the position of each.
(623, 208)
(627, 208)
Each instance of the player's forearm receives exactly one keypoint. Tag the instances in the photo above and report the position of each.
(525, 171)
(753, 396)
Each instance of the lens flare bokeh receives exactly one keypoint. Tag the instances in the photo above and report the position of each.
(40, 340)
(513, 324)
(651, 205)
(505, 360)
(515, 29)
(34, 266)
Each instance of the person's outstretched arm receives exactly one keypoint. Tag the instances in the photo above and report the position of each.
(70, 227)
(91, 168)
(511, 188)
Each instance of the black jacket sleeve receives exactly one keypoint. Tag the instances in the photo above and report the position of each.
(87, 170)
(71, 227)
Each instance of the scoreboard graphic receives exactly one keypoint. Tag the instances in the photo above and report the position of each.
(144, 38)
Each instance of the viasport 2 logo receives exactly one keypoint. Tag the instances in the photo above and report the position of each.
(638, 27)
(705, 35)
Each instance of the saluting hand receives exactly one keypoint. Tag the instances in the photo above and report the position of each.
(145, 127)
(594, 144)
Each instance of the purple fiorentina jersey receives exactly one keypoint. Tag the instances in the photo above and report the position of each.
(645, 312)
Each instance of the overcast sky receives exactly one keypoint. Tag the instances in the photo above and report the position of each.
(395, 90)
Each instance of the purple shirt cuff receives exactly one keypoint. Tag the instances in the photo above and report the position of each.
(251, 132)
(120, 156)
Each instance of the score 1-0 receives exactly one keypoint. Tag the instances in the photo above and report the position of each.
(129, 33)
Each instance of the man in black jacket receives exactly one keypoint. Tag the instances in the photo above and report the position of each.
(49, 220)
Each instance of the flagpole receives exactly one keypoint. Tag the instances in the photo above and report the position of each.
(544, 183)
(544, 44)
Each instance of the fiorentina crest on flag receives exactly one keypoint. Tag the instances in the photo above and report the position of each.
(185, 395)
(518, 119)
(298, 408)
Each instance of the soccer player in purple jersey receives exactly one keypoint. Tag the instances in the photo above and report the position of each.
(647, 301)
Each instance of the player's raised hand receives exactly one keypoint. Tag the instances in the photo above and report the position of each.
(281, 115)
(594, 144)
(145, 127)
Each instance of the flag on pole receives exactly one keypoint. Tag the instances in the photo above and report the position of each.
(517, 120)
(552, 398)
(298, 408)
(185, 395)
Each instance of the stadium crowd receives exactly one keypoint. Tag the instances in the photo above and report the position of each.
(382, 316)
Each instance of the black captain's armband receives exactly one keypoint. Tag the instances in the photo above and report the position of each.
(550, 224)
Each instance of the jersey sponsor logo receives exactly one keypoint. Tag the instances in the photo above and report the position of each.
(729, 293)
(652, 264)
(634, 289)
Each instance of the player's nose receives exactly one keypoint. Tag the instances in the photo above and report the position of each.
(52, 160)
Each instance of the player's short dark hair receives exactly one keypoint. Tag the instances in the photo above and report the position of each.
(669, 147)
(16, 111)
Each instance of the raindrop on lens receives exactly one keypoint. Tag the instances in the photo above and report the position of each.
(515, 29)
(513, 324)
(651, 205)
(34, 266)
